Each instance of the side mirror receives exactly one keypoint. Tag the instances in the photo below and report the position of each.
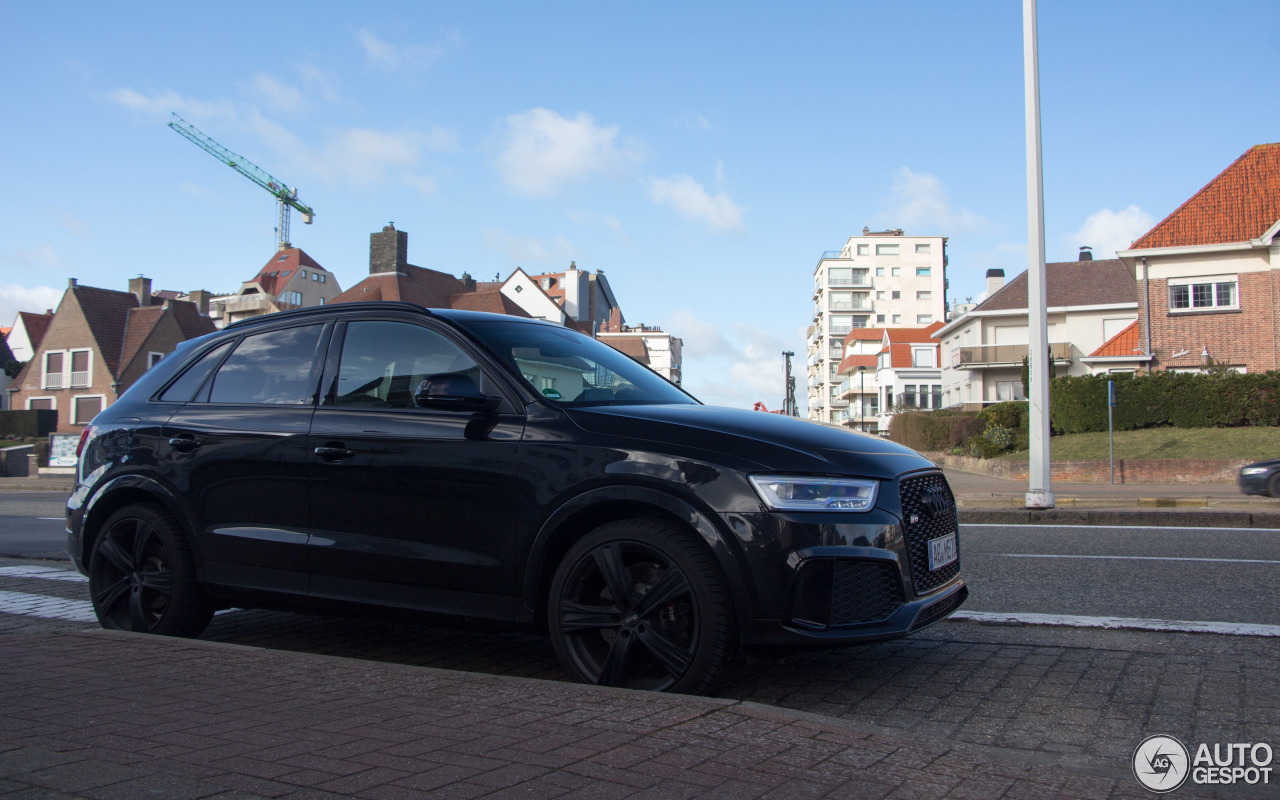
(453, 391)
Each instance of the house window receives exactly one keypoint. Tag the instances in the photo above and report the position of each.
(924, 319)
(924, 295)
(886, 249)
(836, 350)
(879, 295)
(880, 319)
(923, 357)
(841, 324)
(1204, 294)
(67, 368)
(879, 272)
(835, 392)
(840, 276)
(834, 366)
(896, 295)
(1008, 390)
(864, 249)
(895, 271)
(937, 395)
(923, 249)
(924, 272)
(42, 403)
(897, 319)
(909, 395)
(153, 358)
(304, 273)
(85, 408)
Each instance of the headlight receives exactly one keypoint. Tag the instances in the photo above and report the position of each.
(1253, 470)
(790, 493)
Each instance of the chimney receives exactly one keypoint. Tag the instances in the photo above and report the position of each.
(468, 282)
(388, 251)
(995, 280)
(201, 300)
(141, 288)
(71, 283)
(865, 230)
(1086, 253)
(573, 266)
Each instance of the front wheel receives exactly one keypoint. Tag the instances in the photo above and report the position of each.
(1273, 486)
(641, 604)
(142, 576)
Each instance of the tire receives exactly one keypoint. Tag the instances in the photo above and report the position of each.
(1273, 485)
(674, 629)
(142, 576)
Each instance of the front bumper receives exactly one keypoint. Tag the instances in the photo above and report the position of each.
(1254, 484)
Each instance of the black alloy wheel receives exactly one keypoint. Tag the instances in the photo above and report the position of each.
(142, 576)
(1273, 485)
(640, 604)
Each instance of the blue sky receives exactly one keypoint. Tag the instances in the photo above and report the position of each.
(702, 155)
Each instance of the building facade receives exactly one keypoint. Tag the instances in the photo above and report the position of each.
(291, 279)
(879, 279)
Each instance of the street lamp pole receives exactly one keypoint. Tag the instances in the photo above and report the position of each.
(862, 399)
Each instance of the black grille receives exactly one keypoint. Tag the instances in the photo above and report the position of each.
(864, 591)
(927, 514)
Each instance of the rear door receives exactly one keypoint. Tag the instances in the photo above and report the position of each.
(412, 507)
(238, 450)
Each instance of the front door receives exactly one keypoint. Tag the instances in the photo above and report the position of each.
(411, 507)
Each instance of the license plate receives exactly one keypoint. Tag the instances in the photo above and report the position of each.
(942, 551)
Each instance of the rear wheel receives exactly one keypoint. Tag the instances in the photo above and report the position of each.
(142, 576)
(641, 604)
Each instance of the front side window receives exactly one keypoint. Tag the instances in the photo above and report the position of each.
(277, 368)
(586, 372)
(1204, 294)
(384, 362)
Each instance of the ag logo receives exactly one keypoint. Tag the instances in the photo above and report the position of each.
(1160, 763)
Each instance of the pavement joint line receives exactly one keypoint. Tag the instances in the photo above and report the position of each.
(1138, 558)
(1179, 528)
(1119, 623)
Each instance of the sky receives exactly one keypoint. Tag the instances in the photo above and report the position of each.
(703, 156)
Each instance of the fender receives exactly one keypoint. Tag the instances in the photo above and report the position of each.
(92, 517)
(724, 547)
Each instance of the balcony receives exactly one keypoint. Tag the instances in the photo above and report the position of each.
(1003, 355)
(53, 380)
(857, 280)
(80, 380)
(849, 307)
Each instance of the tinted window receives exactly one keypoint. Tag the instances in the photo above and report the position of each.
(383, 363)
(572, 369)
(184, 388)
(275, 367)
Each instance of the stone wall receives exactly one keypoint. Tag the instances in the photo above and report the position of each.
(1128, 470)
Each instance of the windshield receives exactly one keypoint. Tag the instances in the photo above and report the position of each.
(572, 369)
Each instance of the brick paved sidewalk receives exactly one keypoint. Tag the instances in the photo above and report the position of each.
(105, 715)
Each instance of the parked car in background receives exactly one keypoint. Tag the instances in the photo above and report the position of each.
(367, 457)
(1261, 478)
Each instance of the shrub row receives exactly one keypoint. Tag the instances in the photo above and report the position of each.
(1217, 399)
(27, 424)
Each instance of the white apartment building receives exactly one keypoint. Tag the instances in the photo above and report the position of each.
(879, 279)
(650, 345)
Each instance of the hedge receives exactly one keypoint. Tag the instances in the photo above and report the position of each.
(35, 423)
(1217, 399)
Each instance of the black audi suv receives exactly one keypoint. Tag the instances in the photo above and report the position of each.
(370, 458)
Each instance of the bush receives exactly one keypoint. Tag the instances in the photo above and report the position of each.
(30, 423)
(921, 430)
(964, 428)
(1219, 398)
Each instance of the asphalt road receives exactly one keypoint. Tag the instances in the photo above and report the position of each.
(1194, 574)
(32, 525)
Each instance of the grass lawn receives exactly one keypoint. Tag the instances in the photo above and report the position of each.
(10, 443)
(1251, 444)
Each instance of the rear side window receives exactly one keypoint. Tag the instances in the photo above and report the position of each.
(185, 387)
(277, 367)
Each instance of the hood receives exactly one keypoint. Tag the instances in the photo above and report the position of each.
(775, 442)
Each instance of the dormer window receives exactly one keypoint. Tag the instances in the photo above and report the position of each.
(285, 273)
(284, 257)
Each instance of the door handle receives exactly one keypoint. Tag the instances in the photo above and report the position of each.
(184, 443)
(332, 454)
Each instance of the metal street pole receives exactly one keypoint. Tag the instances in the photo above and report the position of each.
(1040, 492)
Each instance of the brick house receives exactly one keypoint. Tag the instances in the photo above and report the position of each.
(97, 344)
(1209, 274)
(291, 279)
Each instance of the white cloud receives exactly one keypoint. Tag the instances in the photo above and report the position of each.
(15, 298)
(918, 202)
(42, 255)
(736, 366)
(691, 201)
(388, 56)
(320, 82)
(77, 226)
(163, 103)
(1107, 231)
(522, 250)
(280, 95)
(544, 151)
(609, 222)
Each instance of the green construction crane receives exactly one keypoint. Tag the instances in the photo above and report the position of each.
(287, 197)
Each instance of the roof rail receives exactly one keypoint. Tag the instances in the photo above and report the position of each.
(371, 305)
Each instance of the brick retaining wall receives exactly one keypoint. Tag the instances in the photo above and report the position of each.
(1129, 470)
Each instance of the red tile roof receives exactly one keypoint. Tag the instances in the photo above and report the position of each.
(284, 261)
(36, 325)
(429, 288)
(630, 345)
(1125, 343)
(863, 334)
(1242, 203)
(849, 365)
(120, 327)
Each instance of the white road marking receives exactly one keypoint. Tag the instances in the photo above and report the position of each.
(37, 605)
(46, 573)
(1123, 623)
(1140, 558)
(57, 518)
(1169, 528)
